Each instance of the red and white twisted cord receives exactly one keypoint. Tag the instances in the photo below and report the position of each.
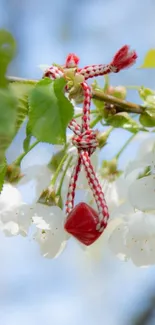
(85, 138)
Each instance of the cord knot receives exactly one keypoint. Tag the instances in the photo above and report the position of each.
(87, 140)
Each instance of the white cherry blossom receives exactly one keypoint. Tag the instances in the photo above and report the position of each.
(50, 233)
(14, 214)
(145, 157)
(10, 198)
(142, 193)
(38, 177)
(142, 190)
(134, 238)
(35, 172)
(15, 202)
(17, 221)
(17, 217)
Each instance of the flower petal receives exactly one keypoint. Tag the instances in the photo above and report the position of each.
(117, 239)
(146, 147)
(146, 157)
(140, 239)
(134, 237)
(51, 243)
(142, 193)
(11, 228)
(16, 221)
(136, 164)
(40, 223)
(124, 209)
(150, 159)
(40, 175)
(39, 155)
(10, 198)
(51, 240)
(52, 215)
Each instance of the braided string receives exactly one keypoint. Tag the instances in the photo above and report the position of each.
(85, 138)
(124, 58)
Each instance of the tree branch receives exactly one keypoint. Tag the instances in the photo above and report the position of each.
(22, 80)
(122, 105)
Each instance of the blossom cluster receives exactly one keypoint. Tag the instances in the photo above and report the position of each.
(130, 233)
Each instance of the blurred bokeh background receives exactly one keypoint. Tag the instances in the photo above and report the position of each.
(75, 289)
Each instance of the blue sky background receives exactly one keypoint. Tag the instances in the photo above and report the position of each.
(73, 290)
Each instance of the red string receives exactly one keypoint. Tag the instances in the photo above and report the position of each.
(85, 138)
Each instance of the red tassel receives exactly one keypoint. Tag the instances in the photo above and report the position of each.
(124, 58)
(72, 61)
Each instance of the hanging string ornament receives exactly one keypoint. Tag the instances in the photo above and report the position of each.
(82, 221)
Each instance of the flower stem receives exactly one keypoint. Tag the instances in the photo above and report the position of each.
(110, 129)
(56, 174)
(19, 159)
(106, 83)
(22, 80)
(125, 146)
(63, 176)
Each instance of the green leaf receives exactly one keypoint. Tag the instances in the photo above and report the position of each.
(8, 111)
(7, 52)
(149, 60)
(123, 120)
(21, 91)
(27, 140)
(147, 118)
(49, 111)
(3, 167)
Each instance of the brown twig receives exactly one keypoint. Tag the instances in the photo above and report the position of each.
(22, 80)
(123, 106)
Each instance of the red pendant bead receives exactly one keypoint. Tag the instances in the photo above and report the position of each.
(81, 223)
